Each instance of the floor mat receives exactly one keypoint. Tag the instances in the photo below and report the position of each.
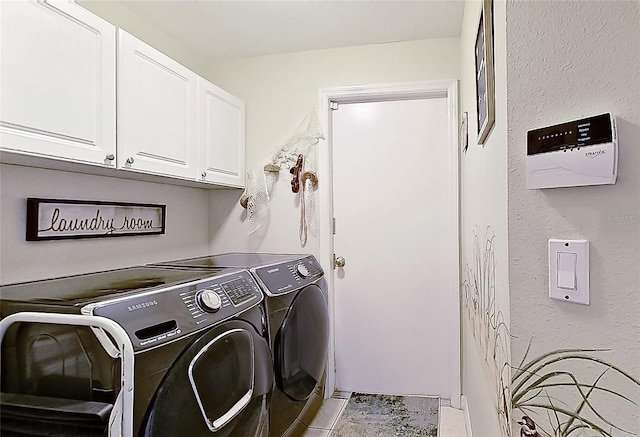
(386, 416)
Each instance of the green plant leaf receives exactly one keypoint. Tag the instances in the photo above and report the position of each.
(523, 358)
(584, 402)
(531, 374)
(576, 428)
(604, 389)
(523, 370)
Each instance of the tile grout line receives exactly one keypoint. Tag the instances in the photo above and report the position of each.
(340, 412)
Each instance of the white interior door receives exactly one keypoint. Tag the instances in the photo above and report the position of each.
(396, 227)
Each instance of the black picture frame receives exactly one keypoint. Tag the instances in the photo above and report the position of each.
(63, 219)
(485, 75)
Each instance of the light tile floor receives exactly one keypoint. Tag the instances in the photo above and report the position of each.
(451, 419)
(327, 417)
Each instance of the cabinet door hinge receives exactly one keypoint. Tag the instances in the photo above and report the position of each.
(334, 226)
(333, 105)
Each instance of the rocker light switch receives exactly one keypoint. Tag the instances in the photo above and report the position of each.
(569, 270)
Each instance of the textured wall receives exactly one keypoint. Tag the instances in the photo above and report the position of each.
(485, 290)
(567, 60)
(279, 92)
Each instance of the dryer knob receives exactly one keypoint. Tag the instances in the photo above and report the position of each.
(303, 271)
(209, 301)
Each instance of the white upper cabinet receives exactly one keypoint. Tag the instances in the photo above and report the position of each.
(58, 79)
(157, 104)
(221, 143)
(58, 76)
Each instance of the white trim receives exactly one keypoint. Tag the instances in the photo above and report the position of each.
(467, 416)
(430, 89)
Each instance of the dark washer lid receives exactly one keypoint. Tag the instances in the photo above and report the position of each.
(302, 343)
(78, 290)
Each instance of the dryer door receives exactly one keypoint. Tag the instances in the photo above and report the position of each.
(220, 384)
(301, 344)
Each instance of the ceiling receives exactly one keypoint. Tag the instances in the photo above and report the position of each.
(218, 29)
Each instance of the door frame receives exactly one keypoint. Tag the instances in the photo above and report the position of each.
(374, 93)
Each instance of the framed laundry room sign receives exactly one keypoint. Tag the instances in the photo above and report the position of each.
(54, 219)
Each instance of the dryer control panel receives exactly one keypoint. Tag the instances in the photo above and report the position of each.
(160, 316)
(289, 276)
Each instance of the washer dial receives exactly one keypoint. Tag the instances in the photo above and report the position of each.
(209, 301)
(302, 270)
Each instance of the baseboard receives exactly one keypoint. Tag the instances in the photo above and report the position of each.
(467, 417)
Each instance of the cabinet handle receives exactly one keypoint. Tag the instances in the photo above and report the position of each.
(130, 160)
(110, 157)
(204, 175)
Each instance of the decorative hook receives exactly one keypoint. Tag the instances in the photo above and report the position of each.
(296, 171)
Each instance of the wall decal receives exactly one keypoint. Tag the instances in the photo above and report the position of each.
(490, 330)
(485, 80)
(54, 219)
(569, 391)
(560, 393)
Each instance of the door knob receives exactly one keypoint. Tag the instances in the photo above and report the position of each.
(130, 160)
(338, 261)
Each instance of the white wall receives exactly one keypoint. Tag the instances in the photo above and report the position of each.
(279, 91)
(485, 290)
(569, 60)
(20, 260)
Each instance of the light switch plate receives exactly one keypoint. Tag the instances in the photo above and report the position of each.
(569, 270)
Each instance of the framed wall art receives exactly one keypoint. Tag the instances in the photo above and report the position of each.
(485, 80)
(54, 219)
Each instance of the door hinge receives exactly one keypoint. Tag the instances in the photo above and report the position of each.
(334, 226)
(333, 105)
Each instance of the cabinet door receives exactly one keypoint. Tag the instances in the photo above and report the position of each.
(221, 146)
(58, 82)
(156, 110)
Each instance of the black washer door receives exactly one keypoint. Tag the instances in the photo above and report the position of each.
(219, 386)
(302, 343)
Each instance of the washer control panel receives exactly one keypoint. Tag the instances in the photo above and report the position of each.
(156, 317)
(238, 291)
(289, 276)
